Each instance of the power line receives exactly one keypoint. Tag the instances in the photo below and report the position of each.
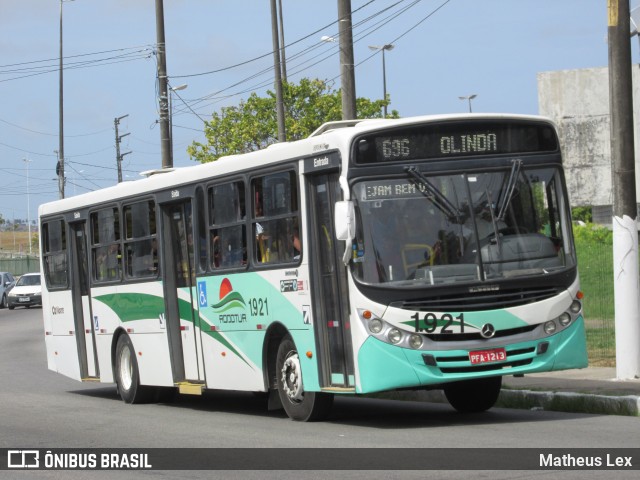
(264, 55)
(77, 56)
(140, 55)
(53, 134)
(267, 70)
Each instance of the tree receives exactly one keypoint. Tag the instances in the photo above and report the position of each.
(252, 125)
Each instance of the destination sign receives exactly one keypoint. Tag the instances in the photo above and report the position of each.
(470, 139)
(387, 189)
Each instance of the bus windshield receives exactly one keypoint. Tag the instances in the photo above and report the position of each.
(464, 227)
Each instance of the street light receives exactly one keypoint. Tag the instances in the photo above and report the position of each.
(384, 72)
(171, 90)
(27, 161)
(469, 98)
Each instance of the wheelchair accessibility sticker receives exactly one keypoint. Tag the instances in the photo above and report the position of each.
(202, 294)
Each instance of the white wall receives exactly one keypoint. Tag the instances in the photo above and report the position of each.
(578, 101)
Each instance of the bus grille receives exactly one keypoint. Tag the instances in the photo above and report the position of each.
(486, 368)
(477, 301)
(461, 337)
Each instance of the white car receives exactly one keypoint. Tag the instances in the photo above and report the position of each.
(6, 284)
(26, 292)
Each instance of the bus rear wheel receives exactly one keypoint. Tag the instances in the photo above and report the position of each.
(473, 396)
(127, 376)
(298, 404)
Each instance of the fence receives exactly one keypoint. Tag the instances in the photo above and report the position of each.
(595, 265)
(19, 264)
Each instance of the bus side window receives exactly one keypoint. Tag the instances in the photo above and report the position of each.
(275, 218)
(227, 225)
(105, 244)
(141, 252)
(54, 252)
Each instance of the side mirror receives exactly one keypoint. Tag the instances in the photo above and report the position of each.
(345, 220)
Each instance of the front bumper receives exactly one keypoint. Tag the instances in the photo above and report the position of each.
(24, 300)
(386, 367)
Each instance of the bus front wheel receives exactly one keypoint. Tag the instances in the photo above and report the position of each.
(473, 396)
(298, 404)
(126, 373)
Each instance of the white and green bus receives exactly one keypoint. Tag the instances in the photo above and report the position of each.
(423, 253)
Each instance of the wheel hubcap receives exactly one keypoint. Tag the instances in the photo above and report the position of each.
(291, 376)
(126, 370)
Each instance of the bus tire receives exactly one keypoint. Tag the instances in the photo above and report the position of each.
(473, 396)
(298, 404)
(127, 376)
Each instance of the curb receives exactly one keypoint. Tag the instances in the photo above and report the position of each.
(628, 405)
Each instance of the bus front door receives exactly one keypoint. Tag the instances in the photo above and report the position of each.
(329, 285)
(179, 276)
(81, 298)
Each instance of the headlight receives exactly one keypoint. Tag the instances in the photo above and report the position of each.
(575, 307)
(549, 327)
(394, 335)
(375, 325)
(564, 319)
(415, 341)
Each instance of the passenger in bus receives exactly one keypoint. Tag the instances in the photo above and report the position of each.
(101, 264)
(187, 268)
(297, 246)
(154, 255)
(263, 247)
(113, 262)
(217, 251)
(145, 259)
(485, 222)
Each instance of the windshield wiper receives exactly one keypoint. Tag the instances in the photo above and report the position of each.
(439, 200)
(494, 221)
(511, 186)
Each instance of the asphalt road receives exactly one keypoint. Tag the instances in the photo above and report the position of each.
(42, 409)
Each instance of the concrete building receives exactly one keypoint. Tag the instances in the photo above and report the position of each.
(578, 102)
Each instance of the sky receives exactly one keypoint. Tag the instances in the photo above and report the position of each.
(222, 51)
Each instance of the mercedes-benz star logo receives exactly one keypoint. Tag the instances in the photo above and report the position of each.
(488, 330)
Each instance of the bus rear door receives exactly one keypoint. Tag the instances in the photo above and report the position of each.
(179, 282)
(81, 298)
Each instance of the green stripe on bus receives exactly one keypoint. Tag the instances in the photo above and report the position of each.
(133, 306)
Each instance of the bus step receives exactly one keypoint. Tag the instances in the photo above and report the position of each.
(338, 389)
(91, 379)
(187, 388)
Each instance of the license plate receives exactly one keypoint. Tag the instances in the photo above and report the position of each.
(488, 356)
(23, 299)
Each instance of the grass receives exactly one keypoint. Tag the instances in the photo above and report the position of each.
(16, 242)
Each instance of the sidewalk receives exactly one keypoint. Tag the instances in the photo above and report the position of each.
(589, 390)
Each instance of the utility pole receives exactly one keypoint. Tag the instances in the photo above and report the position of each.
(119, 157)
(347, 76)
(165, 145)
(282, 54)
(277, 68)
(60, 165)
(625, 230)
